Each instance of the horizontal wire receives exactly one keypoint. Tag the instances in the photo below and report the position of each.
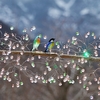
(51, 54)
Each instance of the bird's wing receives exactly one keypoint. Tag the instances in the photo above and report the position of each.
(35, 40)
(48, 44)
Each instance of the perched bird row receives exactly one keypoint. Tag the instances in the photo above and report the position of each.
(37, 42)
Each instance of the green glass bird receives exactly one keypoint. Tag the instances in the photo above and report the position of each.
(36, 42)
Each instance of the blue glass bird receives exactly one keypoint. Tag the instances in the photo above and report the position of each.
(50, 45)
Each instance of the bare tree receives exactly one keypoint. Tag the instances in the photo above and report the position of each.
(69, 72)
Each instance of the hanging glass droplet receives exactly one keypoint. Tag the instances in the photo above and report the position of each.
(32, 64)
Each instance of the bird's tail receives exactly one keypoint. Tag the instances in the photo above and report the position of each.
(33, 49)
(46, 50)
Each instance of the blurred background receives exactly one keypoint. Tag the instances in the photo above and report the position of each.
(53, 18)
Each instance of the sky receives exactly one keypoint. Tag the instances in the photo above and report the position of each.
(52, 17)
